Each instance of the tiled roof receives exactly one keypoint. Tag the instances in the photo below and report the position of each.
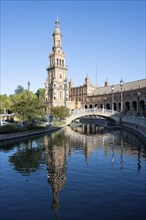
(117, 88)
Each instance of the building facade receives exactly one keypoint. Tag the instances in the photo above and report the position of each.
(126, 97)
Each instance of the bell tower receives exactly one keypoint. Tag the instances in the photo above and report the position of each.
(55, 87)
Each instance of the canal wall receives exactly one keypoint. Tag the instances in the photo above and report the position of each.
(138, 131)
(16, 135)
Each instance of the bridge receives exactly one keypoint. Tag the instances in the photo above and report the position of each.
(106, 113)
(133, 122)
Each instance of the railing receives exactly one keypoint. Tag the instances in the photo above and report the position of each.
(94, 110)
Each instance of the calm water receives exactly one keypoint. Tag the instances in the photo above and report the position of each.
(78, 174)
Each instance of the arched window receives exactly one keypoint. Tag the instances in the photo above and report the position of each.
(108, 106)
(119, 106)
(141, 105)
(127, 106)
(134, 105)
(61, 94)
(115, 106)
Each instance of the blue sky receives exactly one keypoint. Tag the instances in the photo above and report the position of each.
(104, 39)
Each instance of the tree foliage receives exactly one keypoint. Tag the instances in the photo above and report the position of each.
(19, 89)
(27, 107)
(40, 93)
(60, 112)
(4, 103)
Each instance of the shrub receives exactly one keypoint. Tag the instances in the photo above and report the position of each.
(6, 129)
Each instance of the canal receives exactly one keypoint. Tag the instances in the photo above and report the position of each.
(78, 173)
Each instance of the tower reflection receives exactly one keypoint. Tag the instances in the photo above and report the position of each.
(56, 153)
(114, 145)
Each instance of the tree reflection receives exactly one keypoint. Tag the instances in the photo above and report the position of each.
(27, 158)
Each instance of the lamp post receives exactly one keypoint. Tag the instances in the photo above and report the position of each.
(28, 84)
(121, 84)
(138, 103)
(112, 89)
(65, 87)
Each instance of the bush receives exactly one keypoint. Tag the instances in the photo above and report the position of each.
(57, 123)
(6, 129)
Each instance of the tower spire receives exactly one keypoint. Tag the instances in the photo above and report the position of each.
(57, 21)
(57, 16)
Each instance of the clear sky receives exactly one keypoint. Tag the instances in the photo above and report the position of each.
(104, 39)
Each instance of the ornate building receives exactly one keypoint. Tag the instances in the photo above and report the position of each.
(125, 97)
(58, 90)
(54, 86)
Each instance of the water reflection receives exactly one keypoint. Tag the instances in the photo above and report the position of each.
(60, 145)
(55, 149)
(28, 157)
(56, 156)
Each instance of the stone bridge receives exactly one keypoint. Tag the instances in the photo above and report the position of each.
(106, 113)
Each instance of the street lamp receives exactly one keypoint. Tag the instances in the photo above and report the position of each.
(112, 89)
(121, 84)
(65, 88)
(28, 84)
(138, 103)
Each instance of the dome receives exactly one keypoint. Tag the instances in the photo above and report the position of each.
(57, 29)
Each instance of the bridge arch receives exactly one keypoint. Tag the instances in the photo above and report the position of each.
(106, 113)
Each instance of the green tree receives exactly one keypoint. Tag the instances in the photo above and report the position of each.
(4, 103)
(40, 93)
(60, 112)
(19, 89)
(27, 107)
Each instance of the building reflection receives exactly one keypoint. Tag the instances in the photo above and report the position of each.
(121, 157)
(29, 154)
(60, 145)
(139, 161)
(88, 139)
(56, 155)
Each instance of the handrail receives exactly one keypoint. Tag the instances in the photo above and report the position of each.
(93, 110)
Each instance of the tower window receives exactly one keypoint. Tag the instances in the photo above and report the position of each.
(61, 94)
(62, 62)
